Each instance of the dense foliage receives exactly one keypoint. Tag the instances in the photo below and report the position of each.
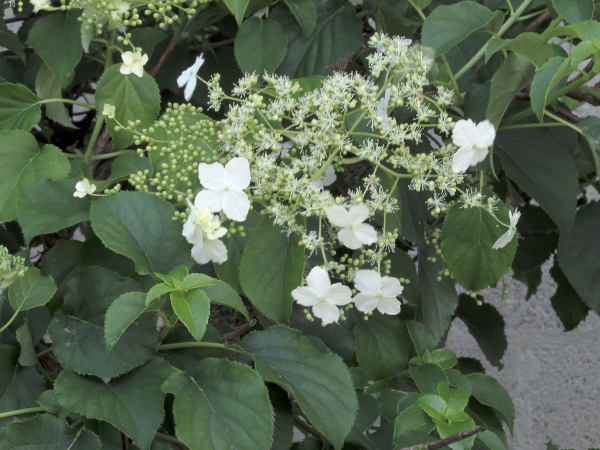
(221, 222)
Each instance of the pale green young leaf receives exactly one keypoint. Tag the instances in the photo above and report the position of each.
(48, 86)
(156, 291)
(193, 309)
(223, 294)
(446, 429)
(320, 383)
(442, 34)
(272, 266)
(237, 8)
(19, 107)
(49, 206)
(548, 79)
(157, 244)
(133, 403)
(305, 13)
(532, 46)
(427, 377)
(31, 290)
(222, 405)
(260, 45)
(196, 280)
(56, 38)
(411, 427)
(574, 11)
(47, 432)
(134, 98)
(23, 163)
(491, 440)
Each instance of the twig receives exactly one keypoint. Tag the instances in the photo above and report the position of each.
(239, 331)
(578, 94)
(450, 439)
(164, 56)
(568, 114)
(537, 22)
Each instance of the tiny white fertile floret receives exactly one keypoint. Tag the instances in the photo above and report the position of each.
(38, 5)
(109, 111)
(83, 188)
(224, 188)
(133, 62)
(512, 229)
(188, 78)
(473, 142)
(377, 292)
(322, 296)
(354, 233)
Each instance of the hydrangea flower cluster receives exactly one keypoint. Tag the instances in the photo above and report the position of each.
(11, 268)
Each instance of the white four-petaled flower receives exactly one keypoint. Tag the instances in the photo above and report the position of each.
(512, 229)
(327, 178)
(118, 8)
(473, 142)
(188, 78)
(133, 62)
(323, 296)
(83, 188)
(354, 232)
(203, 229)
(378, 292)
(224, 188)
(39, 4)
(109, 111)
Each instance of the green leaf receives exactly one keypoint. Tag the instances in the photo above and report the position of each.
(133, 403)
(404, 267)
(566, 302)
(11, 42)
(237, 8)
(48, 86)
(442, 34)
(260, 45)
(320, 383)
(49, 206)
(271, 267)
(187, 358)
(578, 255)
(22, 164)
(223, 294)
(46, 432)
(540, 161)
(421, 336)
(486, 325)
(338, 32)
(535, 243)
(551, 77)
(193, 309)
(411, 427)
(156, 291)
(56, 38)
(516, 73)
(196, 280)
(427, 377)
(122, 167)
(574, 11)
(224, 405)
(443, 357)
(382, 346)
(305, 13)
(532, 46)
(134, 98)
(284, 416)
(457, 426)
(467, 239)
(491, 440)
(438, 298)
(490, 392)
(140, 226)
(433, 405)
(19, 107)
(121, 314)
(19, 386)
(31, 291)
(27, 356)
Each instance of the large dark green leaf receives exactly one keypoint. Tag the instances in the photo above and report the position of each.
(140, 226)
(23, 163)
(538, 238)
(237, 8)
(574, 10)
(133, 403)
(382, 345)
(467, 239)
(46, 432)
(223, 405)
(442, 34)
(19, 107)
(305, 13)
(548, 79)
(31, 290)
(271, 267)
(541, 163)
(47, 86)
(121, 314)
(260, 45)
(490, 392)
(320, 383)
(49, 206)
(187, 358)
(566, 302)
(533, 46)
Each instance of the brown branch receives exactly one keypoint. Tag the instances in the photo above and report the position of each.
(450, 439)
(537, 22)
(578, 94)
(569, 115)
(164, 56)
(239, 331)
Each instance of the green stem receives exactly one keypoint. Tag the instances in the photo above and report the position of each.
(529, 125)
(43, 352)
(64, 100)
(451, 75)
(509, 23)
(419, 10)
(18, 412)
(563, 121)
(7, 324)
(165, 347)
(532, 15)
(111, 155)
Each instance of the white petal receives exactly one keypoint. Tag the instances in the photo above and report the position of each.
(327, 312)
(79, 194)
(215, 250)
(318, 280)
(504, 239)
(127, 58)
(462, 159)
(390, 287)
(213, 200)
(389, 306)
(238, 173)
(183, 78)
(514, 218)
(236, 205)
(464, 133)
(144, 59)
(137, 69)
(349, 239)
(365, 302)
(486, 133)
(367, 281)
(305, 296)
(338, 216)
(328, 177)
(198, 63)
(198, 253)
(479, 155)
(338, 294)
(365, 233)
(212, 176)
(359, 213)
(189, 88)
(191, 232)
(125, 69)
